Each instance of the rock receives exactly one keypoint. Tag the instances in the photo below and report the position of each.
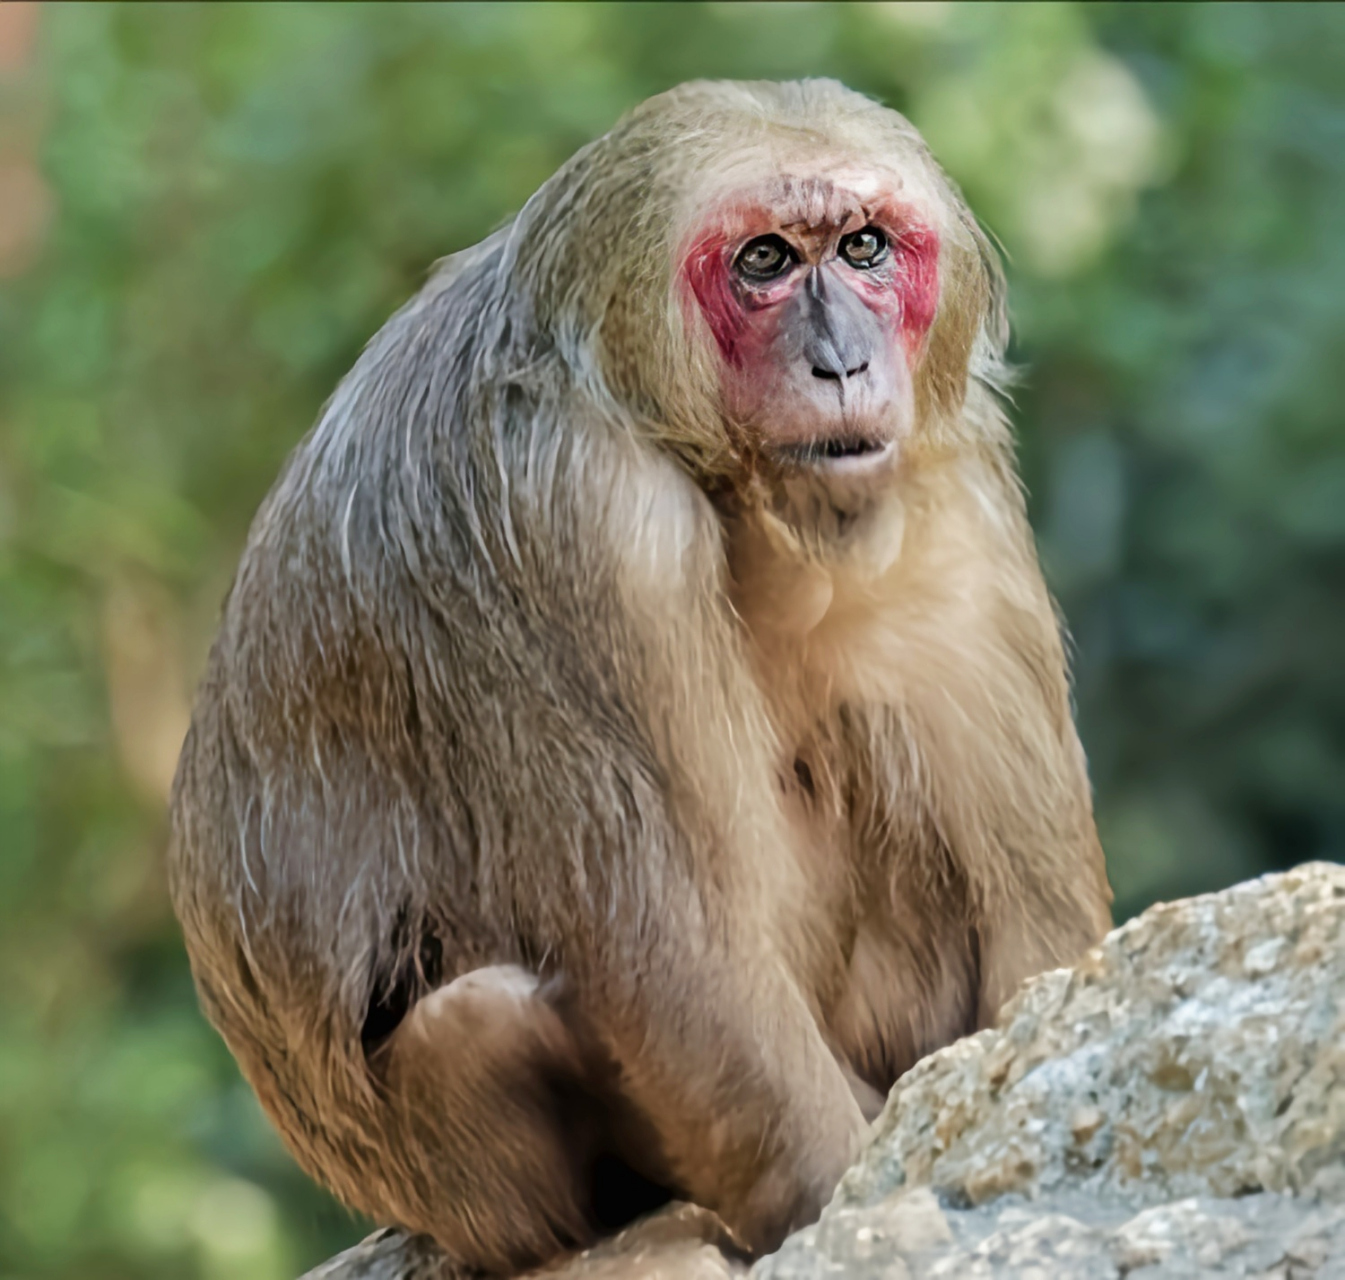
(1172, 1107)
(682, 1242)
(386, 1255)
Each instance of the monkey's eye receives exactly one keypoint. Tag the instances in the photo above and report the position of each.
(864, 248)
(764, 258)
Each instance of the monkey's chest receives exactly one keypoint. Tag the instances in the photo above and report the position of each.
(832, 647)
(903, 975)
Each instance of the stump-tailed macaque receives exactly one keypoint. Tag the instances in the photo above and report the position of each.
(639, 730)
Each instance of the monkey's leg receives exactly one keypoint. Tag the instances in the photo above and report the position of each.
(488, 1089)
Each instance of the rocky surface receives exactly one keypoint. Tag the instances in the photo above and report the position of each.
(680, 1243)
(1172, 1107)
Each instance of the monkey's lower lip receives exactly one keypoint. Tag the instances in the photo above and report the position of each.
(840, 453)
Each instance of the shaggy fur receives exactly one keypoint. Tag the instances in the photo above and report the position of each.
(568, 792)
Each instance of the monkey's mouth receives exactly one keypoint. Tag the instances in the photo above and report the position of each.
(840, 453)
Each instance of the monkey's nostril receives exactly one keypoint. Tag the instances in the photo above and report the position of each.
(831, 375)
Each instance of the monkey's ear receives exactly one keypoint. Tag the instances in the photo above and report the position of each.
(995, 306)
(990, 342)
(989, 362)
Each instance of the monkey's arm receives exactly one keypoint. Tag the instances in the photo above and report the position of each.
(990, 716)
(1053, 900)
(1019, 812)
(1054, 909)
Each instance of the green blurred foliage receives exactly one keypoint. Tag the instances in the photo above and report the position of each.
(236, 197)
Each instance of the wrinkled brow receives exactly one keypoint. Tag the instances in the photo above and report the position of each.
(811, 202)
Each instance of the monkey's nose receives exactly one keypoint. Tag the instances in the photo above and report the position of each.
(837, 375)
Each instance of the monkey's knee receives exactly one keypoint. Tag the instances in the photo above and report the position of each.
(487, 1090)
(492, 1016)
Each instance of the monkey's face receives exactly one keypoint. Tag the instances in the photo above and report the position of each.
(818, 294)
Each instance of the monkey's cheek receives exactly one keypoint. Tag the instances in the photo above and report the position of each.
(750, 399)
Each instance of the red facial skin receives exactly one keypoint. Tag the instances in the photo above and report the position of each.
(903, 290)
(762, 388)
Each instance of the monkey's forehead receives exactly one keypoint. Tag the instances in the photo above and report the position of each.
(767, 190)
(716, 132)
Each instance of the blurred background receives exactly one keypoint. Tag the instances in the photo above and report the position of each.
(206, 211)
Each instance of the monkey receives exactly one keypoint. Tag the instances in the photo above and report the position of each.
(639, 729)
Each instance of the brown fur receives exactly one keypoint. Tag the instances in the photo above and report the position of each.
(568, 792)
